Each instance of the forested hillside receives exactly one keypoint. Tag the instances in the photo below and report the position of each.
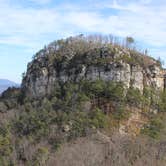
(86, 101)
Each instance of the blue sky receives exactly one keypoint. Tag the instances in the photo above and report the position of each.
(27, 25)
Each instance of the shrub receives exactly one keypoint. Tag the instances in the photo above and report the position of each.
(34, 123)
(46, 104)
(128, 59)
(3, 107)
(105, 89)
(97, 118)
(80, 122)
(115, 91)
(120, 113)
(40, 157)
(134, 97)
(56, 143)
(5, 144)
(162, 102)
(82, 97)
(153, 128)
(97, 88)
(5, 161)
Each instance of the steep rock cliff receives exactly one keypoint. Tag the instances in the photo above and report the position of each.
(67, 61)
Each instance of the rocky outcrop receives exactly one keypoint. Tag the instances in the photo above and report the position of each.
(48, 69)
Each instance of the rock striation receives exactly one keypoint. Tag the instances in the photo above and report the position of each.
(56, 65)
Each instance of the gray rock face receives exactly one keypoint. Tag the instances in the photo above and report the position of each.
(137, 77)
(42, 75)
(119, 72)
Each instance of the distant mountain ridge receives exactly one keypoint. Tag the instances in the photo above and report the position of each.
(5, 83)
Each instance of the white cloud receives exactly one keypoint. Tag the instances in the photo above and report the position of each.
(84, 20)
(145, 21)
(29, 26)
(41, 2)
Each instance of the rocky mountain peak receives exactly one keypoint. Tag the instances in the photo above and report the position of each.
(91, 58)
